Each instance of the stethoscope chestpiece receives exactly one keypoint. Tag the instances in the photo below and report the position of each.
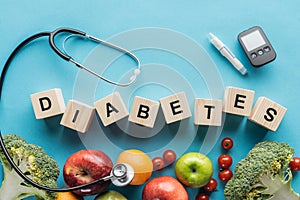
(122, 174)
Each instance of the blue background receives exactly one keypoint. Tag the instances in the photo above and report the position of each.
(38, 68)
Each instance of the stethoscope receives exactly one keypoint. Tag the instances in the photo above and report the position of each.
(121, 174)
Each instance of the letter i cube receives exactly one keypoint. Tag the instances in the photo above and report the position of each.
(48, 103)
(78, 116)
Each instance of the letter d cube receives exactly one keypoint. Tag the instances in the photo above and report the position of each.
(48, 103)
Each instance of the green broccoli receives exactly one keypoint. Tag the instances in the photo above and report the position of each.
(34, 163)
(263, 174)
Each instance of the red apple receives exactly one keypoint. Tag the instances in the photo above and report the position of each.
(86, 166)
(164, 188)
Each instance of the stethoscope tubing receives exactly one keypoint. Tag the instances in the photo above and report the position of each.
(15, 52)
(66, 57)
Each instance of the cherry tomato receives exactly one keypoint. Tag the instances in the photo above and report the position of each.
(169, 156)
(211, 185)
(295, 164)
(225, 175)
(158, 163)
(225, 161)
(202, 196)
(227, 143)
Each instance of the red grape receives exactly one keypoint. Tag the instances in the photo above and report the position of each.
(169, 156)
(158, 163)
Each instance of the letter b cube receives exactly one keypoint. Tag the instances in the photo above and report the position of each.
(144, 111)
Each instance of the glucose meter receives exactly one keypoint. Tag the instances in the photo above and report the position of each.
(257, 46)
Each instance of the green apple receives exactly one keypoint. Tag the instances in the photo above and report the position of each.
(194, 169)
(110, 195)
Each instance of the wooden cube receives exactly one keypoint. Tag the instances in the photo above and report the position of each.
(48, 103)
(78, 116)
(144, 111)
(111, 109)
(175, 107)
(267, 113)
(208, 112)
(238, 101)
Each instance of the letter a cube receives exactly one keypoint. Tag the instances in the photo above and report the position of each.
(111, 109)
(144, 111)
(48, 103)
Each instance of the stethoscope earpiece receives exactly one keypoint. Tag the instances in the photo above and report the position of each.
(136, 73)
(65, 55)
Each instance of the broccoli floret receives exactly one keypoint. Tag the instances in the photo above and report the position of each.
(263, 174)
(34, 163)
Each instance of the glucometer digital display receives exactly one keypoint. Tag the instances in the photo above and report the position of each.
(257, 46)
(253, 40)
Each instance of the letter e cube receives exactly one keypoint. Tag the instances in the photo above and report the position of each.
(238, 101)
(175, 107)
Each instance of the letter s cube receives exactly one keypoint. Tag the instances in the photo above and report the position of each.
(267, 113)
(48, 103)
